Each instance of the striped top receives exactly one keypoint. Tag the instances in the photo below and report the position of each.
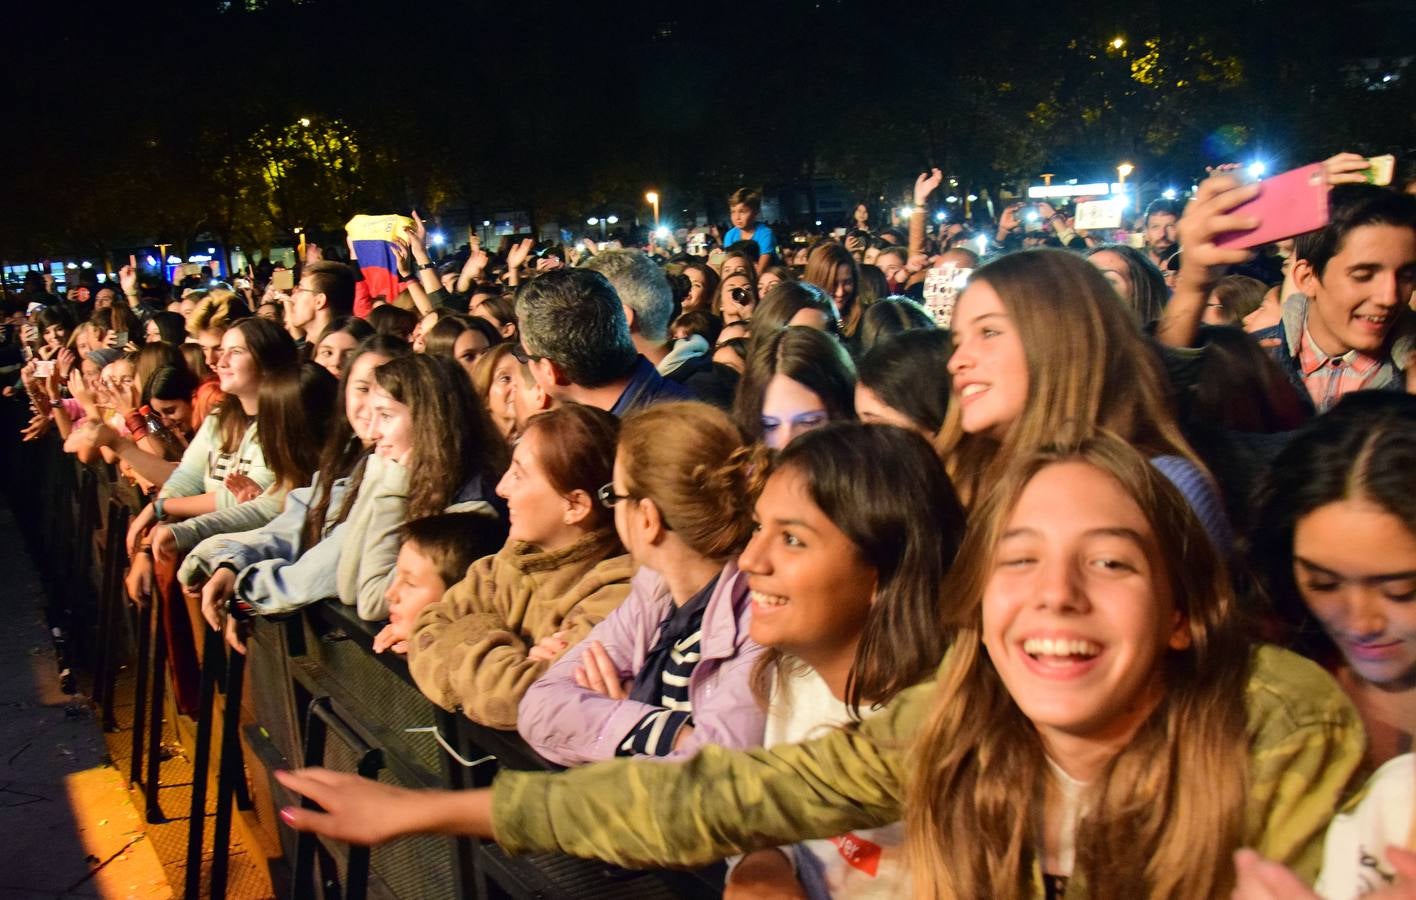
(663, 680)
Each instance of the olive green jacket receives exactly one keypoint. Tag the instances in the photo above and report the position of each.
(1305, 755)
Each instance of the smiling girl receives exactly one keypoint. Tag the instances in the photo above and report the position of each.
(309, 512)
(1099, 727)
(857, 527)
(1042, 350)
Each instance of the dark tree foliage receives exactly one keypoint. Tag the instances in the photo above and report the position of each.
(162, 121)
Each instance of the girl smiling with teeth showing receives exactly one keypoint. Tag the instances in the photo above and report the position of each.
(1042, 346)
(1135, 771)
(856, 527)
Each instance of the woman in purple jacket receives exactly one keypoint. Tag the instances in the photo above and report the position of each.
(670, 670)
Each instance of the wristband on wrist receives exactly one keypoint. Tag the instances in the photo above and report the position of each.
(427, 265)
(239, 609)
(135, 423)
(157, 509)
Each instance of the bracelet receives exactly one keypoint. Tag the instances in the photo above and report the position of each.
(157, 509)
(427, 265)
(239, 609)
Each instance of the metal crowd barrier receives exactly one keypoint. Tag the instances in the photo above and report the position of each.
(309, 691)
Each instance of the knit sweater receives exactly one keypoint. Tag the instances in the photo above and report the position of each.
(470, 648)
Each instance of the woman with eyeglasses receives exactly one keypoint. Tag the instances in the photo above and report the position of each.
(560, 573)
(670, 670)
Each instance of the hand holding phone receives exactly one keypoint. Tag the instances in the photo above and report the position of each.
(1212, 213)
(1283, 206)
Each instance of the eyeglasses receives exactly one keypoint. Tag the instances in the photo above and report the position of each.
(608, 497)
(519, 352)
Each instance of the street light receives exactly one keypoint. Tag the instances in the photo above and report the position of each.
(653, 198)
(1118, 42)
(593, 220)
(1123, 170)
(612, 219)
(304, 122)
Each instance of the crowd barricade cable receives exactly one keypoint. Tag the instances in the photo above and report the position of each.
(309, 691)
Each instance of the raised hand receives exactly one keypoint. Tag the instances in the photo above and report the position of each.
(1345, 168)
(516, 256)
(925, 185)
(128, 280)
(1207, 217)
(400, 251)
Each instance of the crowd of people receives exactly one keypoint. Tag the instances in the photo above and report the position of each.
(1003, 563)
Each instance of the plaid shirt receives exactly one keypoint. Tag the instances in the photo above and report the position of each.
(1328, 378)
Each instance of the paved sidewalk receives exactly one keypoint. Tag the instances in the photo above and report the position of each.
(67, 826)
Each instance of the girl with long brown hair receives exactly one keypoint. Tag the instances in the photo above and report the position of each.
(311, 511)
(858, 527)
(1099, 720)
(832, 268)
(1042, 348)
(434, 450)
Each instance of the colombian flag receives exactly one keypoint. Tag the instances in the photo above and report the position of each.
(372, 237)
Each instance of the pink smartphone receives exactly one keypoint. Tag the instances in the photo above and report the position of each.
(1293, 203)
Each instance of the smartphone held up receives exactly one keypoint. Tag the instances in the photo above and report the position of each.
(1294, 203)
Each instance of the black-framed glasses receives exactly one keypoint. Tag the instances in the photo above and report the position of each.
(608, 497)
(519, 352)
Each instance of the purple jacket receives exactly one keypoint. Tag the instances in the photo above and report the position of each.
(570, 725)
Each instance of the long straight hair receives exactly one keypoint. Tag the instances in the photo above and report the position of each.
(343, 452)
(454, 439)
(271, 350)
(1167, 813)
(1088, 368)
(821, 267)
(294, 415)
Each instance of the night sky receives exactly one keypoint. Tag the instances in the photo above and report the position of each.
(130, 120)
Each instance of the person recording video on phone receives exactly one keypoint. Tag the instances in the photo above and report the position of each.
(1348, 327)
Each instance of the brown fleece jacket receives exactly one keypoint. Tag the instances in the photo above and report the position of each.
(470, 648)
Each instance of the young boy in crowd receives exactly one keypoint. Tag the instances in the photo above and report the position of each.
(435, 554)
(744, 206)
(1349, 327)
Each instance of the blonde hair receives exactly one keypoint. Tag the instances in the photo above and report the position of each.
(1168, 811)
(1088, 367)
(218, 310)
(689, 460)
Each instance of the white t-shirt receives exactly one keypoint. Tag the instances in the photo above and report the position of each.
(1354, 851)
(862, 864)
